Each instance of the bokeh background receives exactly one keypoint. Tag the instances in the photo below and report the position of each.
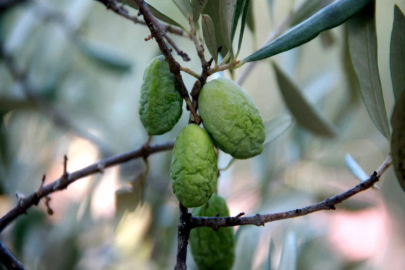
(86, 64)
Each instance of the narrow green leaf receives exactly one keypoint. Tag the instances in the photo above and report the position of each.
(250, 21)
(305, 114)
(104, 55)
(363, 51)
(331, 16)
(184, 6)
(197, 7)
(156, 12)
(212, 9)
(209, 36)
(275, 127)
(270, 4)
(397, 53)
(288, 260)
(271, 251)
(242, 27)
(398, 139)
(226, 13)
(236, 16)
(356, 170)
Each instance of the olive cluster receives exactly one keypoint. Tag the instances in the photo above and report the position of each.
(231, 122)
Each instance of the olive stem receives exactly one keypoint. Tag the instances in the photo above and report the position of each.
(234, 64)
(189, 71)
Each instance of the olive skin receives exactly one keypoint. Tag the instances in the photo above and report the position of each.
(161, 102)
(194, 169)
(214, 250)
(231, 118)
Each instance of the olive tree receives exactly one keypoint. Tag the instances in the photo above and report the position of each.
(204, 54)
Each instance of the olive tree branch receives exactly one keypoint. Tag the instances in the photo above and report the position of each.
(261, 220)
(120, 10)
(188, 222)
(184, 229)
(154, 27)
(8, 260)
(68, 178)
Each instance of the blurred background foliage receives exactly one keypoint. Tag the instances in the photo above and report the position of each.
(85, 64)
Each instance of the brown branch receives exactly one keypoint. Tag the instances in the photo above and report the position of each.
(8, 260)
(184, 229)
(188, 222)
(68, 178)
(154, 27)
(261, 220)
(120, 10)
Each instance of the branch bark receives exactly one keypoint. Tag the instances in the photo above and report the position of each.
(184, 229)
(68, 178)
(8, 260)
(188, 222)
(261, 220)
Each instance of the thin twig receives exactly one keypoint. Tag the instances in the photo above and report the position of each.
(199, 46)
(174, 66)
(189, 71)
(261, 220)
(59, 184)
(8, 260)
(120, 10)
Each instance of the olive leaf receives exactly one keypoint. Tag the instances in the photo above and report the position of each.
(212, 9)
(236, 16)
(184, 6)
(209, 36)
(331, 16)
(226, 14)
(156, 12)
(305, 114)
(270, 255)
(104, 55)
(276, 126)
(197, 7)
(363, 51)
(398, 139)
(288, 260)
(242, 27)
(397, 52)
(270, 4)
(250, 21)
(356, 170)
